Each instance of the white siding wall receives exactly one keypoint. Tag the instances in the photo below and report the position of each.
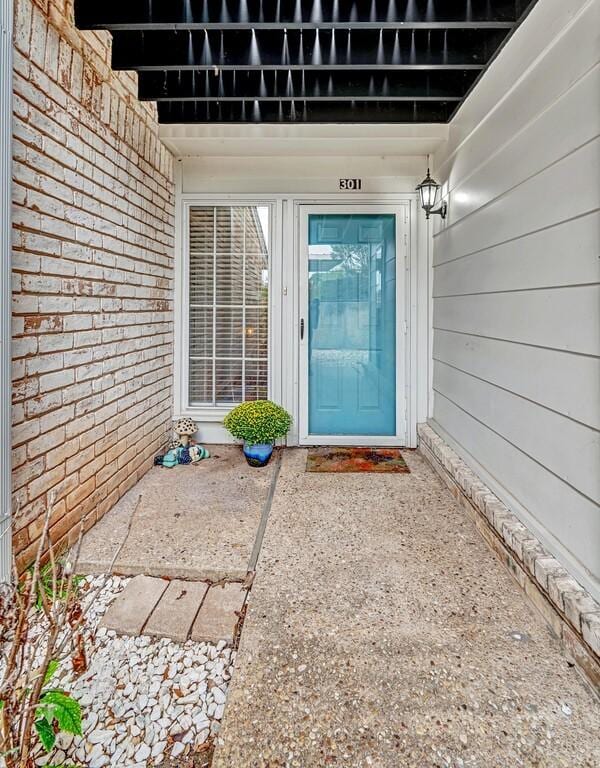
(516, 281)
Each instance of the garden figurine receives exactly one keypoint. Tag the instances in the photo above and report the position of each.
(184, 429)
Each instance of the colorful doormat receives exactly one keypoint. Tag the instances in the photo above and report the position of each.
(355, 460)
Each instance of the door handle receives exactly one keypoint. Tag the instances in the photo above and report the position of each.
(301, 329)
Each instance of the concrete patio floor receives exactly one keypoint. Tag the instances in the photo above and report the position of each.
(193, 522)
(382, 632)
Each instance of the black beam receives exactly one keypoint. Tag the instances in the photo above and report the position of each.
(283, 111)
(241, 26)
(195, 14)
(404, 49)
(312, 84)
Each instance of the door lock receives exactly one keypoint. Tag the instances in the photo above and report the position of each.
(301, 329)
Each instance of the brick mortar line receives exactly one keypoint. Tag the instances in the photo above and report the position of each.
(153, 442)
(94, 312)
(68, 350)
(109, 77)
(35, 333)
(128, 164)
(76, 511)
(148, 361)
(26, 90)
(157, 246)
(102, 488)
(97, 217)
(137, 213)
(77, 366)
(154, 270)
(118, 255)
(105, 435)
(73, 240)
(91, 313)
(140, 462)
(168, 367)
(137, 404)
(152, 365)
(87, 162)
(146, 202)
(25, 86)
(89, 279)
(95, 281)
(106, 76)
(161, 215)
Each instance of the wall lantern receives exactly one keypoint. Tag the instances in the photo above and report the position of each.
(428, 191)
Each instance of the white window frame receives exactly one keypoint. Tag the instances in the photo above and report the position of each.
(183, 407)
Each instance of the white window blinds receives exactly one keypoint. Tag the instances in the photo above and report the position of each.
(228, 304)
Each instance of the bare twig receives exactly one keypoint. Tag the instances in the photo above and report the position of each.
(30, 641)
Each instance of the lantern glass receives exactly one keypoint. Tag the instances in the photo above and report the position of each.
(429, 193)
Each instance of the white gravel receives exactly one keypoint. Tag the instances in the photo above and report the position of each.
(142, 699)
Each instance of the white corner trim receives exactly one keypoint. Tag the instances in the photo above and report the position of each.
(178, 295)
(6, 68)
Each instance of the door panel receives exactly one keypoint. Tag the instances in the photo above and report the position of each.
(351, 324)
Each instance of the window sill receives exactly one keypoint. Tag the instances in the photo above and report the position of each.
(204, 413)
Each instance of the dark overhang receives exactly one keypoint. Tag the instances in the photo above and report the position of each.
(304, 60)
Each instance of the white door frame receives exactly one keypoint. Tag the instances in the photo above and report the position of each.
(401, 211)
(284, 301)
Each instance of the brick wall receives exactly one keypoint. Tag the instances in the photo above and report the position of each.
(93, 273)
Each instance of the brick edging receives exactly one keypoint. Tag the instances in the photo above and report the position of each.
(567, 607)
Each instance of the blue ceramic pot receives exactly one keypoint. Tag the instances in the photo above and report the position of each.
(258, 455)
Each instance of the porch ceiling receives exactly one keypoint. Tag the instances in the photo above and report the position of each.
(304, 61)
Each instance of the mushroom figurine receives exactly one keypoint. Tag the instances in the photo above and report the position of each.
(184, 429)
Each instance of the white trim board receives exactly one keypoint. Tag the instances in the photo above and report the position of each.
(6, 73)
(326, 139)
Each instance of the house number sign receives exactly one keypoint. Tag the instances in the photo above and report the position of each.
(351, 185)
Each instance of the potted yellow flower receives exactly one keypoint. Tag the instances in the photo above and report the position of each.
(259, 423)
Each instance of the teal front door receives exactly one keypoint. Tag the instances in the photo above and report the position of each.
(349, 332)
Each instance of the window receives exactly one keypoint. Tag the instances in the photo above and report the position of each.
(228, 304)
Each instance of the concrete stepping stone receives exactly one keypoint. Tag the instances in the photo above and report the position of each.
(176, 610)
(130, 611)
(217, 617)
